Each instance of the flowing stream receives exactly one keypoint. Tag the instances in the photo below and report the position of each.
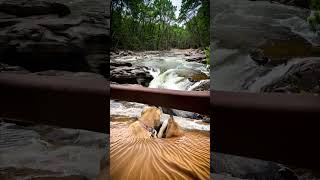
(169, 69)
(240, 25)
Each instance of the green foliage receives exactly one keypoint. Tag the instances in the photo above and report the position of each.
(152, 25)
(314, 20)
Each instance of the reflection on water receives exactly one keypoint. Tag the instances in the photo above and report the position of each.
(186, 157)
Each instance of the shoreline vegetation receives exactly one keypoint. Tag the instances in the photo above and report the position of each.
(152, 25)
(314, 19)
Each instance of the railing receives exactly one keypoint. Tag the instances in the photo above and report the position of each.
(71, 103)
(277, 127)
(195, 101)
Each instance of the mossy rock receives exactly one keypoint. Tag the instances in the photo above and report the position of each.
(199, 77)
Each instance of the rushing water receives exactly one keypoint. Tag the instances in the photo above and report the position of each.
(238, 26)
(169, 69)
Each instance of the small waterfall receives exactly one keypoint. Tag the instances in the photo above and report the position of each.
(172, 71)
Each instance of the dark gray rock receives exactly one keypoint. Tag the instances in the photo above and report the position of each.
(298, 3)
(301, 77)
(258, 56)
(70, 75)
(14, 69)
(33, 7)
(130, 75)
(203, 86)
(249, 168)
(197, 58)
(119, 64)
(34, 37)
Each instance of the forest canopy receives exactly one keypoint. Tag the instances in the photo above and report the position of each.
(153, 25)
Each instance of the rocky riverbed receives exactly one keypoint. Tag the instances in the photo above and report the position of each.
(40, 152)
(174, 69)
(259, 46)
(40, 35)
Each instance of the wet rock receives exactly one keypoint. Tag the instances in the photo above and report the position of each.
(13, 69)
(125, 53)
(34, 37)
(119, 64)
(301, 77)
(35, 174)
(197, 58)
(198, 77)
(258, 56)
(203, 86)
(280, 51)
(298, 3)
(130, 75)
(72, 75)
(196, 55)
(24, 8)
(248, 168)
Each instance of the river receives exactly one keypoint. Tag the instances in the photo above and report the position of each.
(242, 25)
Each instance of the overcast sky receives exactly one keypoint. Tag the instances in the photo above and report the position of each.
(177, 3)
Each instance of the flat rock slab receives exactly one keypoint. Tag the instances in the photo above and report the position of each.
(23, 8)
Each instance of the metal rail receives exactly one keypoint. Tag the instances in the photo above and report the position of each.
(66, 102)
(277, 127)
(194, 101)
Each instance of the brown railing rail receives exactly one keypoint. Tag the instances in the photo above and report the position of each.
(194, 101)
(66, 102)
(277, 127)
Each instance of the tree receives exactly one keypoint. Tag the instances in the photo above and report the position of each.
(152, 25)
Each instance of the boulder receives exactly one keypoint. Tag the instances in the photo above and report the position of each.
(197, 58)
(258, 56)
(130, 75)
(32, 36)
(301, 77)
(204, 85)
(249, 168)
